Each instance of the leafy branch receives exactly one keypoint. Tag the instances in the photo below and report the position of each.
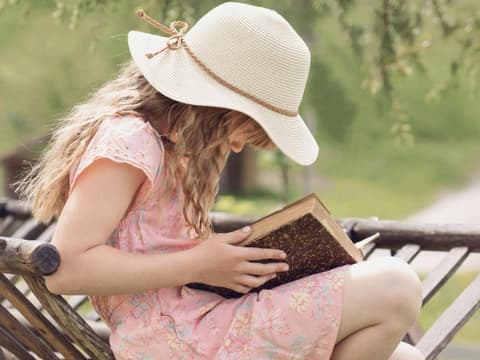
(390, 44)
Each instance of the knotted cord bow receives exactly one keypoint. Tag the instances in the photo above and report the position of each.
(177, 40)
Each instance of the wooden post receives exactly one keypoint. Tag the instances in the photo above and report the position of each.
(28, 257)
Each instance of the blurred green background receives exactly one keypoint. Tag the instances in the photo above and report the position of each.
(392, 95)
(54, 55)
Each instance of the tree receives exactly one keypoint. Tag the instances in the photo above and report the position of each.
(390, 43)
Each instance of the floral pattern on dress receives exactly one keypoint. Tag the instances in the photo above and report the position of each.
(297, 320)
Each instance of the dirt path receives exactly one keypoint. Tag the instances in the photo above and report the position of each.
(458, 206)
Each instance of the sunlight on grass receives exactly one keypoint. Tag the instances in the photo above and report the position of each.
(247, 205)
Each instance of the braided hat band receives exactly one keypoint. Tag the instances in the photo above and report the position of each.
(177, 40)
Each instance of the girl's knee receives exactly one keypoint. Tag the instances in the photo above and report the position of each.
(402, 290)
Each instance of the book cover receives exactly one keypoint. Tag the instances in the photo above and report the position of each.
(313, 241)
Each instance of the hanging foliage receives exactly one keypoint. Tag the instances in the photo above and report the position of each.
(389, 42)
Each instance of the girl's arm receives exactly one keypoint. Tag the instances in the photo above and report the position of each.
(99, 200)
(97, 203)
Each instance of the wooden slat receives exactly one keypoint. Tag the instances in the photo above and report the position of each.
(75, 326)
(9, 355)
(102, 330)
(12, 345)
(3, 352)
(19, 209)
(93, 316)
(23, 287)
(20, 285)
(5, 223)
(77, 300)
(23, 335)
(34, 301)
(98, 327)
(368, 250)
(414, 334)
(30, 229)
(3, 206)
(408, 252)
(48, 331)
(443, 271)
(451, 321)
(47, 234)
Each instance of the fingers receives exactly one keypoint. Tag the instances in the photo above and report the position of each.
(255, 268)
(237, 236)
(254, 281)
(251, 253)
(248, 282)
(241, 288)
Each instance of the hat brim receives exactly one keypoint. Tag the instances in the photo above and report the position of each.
(176, 75)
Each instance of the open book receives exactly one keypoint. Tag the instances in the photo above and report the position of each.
(307, 232)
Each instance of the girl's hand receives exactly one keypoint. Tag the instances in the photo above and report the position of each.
(218, 262)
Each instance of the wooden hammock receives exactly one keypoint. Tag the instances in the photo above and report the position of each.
(37, 324)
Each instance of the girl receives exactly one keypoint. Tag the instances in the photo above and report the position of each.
(132, 173)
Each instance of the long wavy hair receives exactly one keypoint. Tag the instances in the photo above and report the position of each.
(201, 134)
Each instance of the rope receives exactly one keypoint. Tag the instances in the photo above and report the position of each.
(176, 40)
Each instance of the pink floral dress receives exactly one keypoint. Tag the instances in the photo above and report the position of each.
(298, 320)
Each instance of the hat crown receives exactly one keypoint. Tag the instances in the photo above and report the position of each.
(255, 49)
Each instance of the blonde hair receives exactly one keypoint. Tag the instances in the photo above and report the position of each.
(202, 137)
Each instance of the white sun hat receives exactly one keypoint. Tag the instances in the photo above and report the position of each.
(237, 56)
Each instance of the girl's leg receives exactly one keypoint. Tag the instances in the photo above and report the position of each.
(382, 299)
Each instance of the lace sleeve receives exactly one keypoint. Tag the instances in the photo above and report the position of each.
(125, 139)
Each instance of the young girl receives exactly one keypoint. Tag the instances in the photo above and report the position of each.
(132, 174)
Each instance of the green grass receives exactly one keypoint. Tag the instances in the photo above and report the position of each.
(247, 205)
(391, 181)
